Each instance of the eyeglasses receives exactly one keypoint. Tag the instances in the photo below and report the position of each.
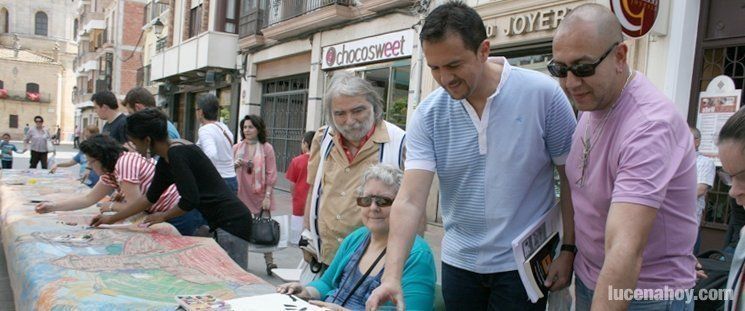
(727, 178)
(379, 201)
(579, 70)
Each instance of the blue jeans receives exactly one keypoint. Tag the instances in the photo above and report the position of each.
(187, 224)
(236, 247)
(583, 296)
(466, 290)
(232, 184)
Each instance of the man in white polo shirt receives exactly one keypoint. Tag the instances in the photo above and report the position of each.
(494, 134)
(215, 139)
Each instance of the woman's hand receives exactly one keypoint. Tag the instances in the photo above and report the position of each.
(105, 206)
(293, 288)
(53, 169)
(154, 218)
(45, 207)
(266, 204)
(238, 163)
(102, 220)
(327, 305)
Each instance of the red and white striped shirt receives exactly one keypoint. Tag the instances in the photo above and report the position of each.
(134, 168)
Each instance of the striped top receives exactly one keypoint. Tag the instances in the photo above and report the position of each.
(496, 172)
(134, 168)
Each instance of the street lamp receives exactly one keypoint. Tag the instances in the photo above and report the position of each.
(158, 27)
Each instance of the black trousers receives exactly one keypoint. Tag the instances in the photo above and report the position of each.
(37, 157)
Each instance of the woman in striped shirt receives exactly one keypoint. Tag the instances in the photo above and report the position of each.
(129, 174)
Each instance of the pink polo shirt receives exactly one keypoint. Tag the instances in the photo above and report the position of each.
(645, 155)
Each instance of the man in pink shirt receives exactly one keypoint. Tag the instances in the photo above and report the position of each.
(632, 173)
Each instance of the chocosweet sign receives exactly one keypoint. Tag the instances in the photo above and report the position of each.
(368, 50)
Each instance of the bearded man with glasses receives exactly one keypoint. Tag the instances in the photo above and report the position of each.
(631, 169)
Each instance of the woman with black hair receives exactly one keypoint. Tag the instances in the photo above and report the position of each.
(198, 182)
(130, 174)
(256, 171)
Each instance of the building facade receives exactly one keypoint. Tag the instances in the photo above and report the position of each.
(36, 54)
(198, 57)
(109, 36)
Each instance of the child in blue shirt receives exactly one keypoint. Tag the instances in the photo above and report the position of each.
(7, 149)
(87, 175)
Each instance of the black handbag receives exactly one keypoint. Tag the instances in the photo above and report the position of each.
(264, 230)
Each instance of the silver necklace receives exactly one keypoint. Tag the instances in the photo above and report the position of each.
(589, 141)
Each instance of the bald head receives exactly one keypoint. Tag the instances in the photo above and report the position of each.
(603, 26)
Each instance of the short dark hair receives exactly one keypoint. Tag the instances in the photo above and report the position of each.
(105, 98)
(148, 122)
(138, 95)
(734, 128)
(209, 105)
(37, 118)
(308, 138)
(258, 123)
(458, 18)
(104, 149)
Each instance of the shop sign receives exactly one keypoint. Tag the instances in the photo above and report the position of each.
(636, 16)
(374, 49)
(715, 106)
(526, 23)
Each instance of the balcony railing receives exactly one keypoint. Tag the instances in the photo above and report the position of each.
(160, 45)
(252, 23)
(280, 11)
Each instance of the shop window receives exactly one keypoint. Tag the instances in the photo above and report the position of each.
(391, 81)
(2, 84)
(13, 121)
(41, 24)
(75, 29)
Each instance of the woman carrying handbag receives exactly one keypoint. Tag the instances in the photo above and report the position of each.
(256, 171)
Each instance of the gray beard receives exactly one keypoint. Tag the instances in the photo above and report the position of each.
(353, 134)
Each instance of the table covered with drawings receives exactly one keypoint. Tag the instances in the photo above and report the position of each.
(55, 261)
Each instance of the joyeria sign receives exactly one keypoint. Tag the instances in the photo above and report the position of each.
(636, 16)
(388, 46)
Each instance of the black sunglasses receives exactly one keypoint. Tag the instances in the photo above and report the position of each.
(579, 70)
(379, 201)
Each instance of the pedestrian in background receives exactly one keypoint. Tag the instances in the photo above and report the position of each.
(215, 139)
(7, 150)
(36, 140)
(297, 175)
(256, 171)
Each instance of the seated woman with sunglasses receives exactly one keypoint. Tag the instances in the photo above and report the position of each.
(130, 174)
(358, 265)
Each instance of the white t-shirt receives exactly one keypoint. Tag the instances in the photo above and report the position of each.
(705, 170)
(215, 144)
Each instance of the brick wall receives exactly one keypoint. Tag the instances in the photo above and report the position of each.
(187, 20)
(169, 38)
(128, 77)
(133, 14)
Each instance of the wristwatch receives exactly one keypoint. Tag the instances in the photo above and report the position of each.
(569, 248)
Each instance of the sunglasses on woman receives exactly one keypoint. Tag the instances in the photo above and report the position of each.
(379, 201)
(579, 70)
